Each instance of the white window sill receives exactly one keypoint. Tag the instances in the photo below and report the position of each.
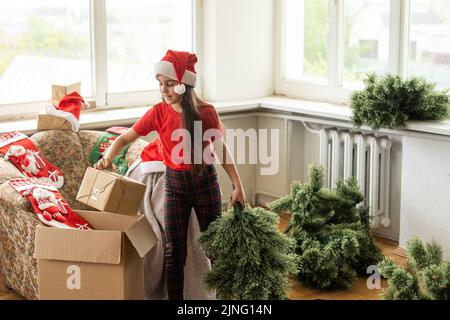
(341, 113)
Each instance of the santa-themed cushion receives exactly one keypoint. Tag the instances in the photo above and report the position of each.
(49, 205)
(63, 148)
(89, 138)
(103, 144)
(22, 152)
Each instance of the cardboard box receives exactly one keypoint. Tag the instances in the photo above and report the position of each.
(91, 104)
(59, 91)
(105, 263)
(111, 192)
(51, 122)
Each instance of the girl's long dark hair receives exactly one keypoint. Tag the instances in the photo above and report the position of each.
(190, 102)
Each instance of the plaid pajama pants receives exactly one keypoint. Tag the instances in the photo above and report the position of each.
(182, 193)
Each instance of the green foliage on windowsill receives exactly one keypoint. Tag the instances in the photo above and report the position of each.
(389, 101)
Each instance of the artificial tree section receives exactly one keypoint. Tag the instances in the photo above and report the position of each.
(389, 101)
(331, 229)
(251, 258)
(425, 277)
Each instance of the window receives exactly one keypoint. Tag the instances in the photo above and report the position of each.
(368, 49)
(366, 39)
(306, 52)
(108, 45)
(328, 47)
(430, 39)
(138, 32)
(43, 42)
(413, 51)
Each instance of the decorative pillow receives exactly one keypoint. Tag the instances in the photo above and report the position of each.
(63, 149)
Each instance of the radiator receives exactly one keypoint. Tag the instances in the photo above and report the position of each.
(353, 154)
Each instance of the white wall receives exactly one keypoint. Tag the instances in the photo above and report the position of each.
(246, 171)
(298, 148)
(278, 183)
(238, 49)
(425, 196)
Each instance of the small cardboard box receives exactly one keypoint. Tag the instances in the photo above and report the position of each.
(91, 104)
(105, 263)
(51, 122)
(59, 91)
(111, 192)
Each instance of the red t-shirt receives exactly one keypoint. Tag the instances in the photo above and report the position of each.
(163, 119)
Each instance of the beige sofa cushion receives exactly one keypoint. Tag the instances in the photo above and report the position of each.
(8, 171)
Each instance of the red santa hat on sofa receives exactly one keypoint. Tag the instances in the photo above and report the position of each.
(69, 108)
(180, 66)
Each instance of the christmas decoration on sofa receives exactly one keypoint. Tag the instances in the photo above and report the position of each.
(69, 109)
(18, 149)
(104, 143)
(390, 101)
(332, 233)
(426, 275)
(252, 259)
(49, 205)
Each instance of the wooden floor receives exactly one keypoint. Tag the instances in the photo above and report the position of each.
(298, 291)
(359, 291)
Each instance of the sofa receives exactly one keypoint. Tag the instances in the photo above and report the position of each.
(67, 150)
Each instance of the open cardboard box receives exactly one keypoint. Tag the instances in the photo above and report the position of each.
(111, 192)
(105, 263)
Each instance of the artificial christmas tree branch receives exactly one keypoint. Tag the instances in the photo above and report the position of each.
(332, 234)
(252, 259)
(426, 276)
(389, 101)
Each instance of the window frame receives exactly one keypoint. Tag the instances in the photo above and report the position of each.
(334, 91)
(98, 41)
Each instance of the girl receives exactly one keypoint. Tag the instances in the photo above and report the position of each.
(190, 180)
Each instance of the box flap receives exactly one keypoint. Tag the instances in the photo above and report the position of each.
(98, 246)
(141, 235)
(106, 220)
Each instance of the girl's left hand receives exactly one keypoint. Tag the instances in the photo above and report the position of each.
(238, 196)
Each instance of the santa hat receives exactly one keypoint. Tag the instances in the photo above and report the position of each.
(180, 66)
(69, 108)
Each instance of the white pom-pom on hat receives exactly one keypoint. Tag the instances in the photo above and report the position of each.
(180, 88)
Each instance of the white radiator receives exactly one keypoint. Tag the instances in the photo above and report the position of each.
(364, 156)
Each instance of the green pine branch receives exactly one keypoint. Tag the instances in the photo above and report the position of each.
(332, 234)
(252, 259)
(426, 276)
(389, 101)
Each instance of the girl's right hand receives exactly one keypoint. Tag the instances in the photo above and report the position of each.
(103, 163)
